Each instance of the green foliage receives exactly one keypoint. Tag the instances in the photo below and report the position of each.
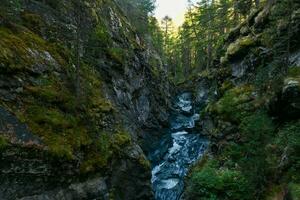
(157, 35)
(242, 6)
(289, 140)
(138, 12)
(212, 182)
(294, 72)
(235, 104)
(201, 38)
(257, 128)
(120, 140)
(256, 131)
(294, 191)
(3, 142)
(101, 35)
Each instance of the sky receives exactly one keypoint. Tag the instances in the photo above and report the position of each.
(173, 8)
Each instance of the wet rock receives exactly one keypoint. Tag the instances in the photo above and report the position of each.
(287, 103)
(295, 58)
(16, 131)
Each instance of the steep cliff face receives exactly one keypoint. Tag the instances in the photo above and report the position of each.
(77, 88)
(252, 117)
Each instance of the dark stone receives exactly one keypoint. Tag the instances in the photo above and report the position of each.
(286, 105)
(18, 132)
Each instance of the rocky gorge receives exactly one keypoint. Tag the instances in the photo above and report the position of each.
(88, 109)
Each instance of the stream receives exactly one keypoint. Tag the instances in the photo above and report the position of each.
(178, 149)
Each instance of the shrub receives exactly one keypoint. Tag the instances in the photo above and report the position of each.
(257, 128)
(249, 151)
(257, 131)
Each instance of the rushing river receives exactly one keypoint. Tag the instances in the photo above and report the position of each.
(177, 151)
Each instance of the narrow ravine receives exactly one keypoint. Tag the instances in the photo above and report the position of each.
(186, 145)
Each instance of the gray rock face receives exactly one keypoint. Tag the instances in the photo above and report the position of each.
(24, 171)
(15, 130)
(92, 189)
(138, 96)
(295, 58)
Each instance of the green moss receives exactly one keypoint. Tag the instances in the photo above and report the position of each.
(102, 35)
(92, 86)
(120, 140)
(3, 142)
(206, 74)
(235, 104)
(224, 60)
(267, 37)
(104, 148)
(52, 90)
(294, 191)
(32, 21)
(249, 152)
(13, 51)
(294, 72)
(256, 126)
(240, 46)
(98, 155)
(19, 50)
(144, 162)
(117, 54)
(226, 85)
(61, 132)
(155, 64)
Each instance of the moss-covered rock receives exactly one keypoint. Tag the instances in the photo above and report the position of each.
(69, 93)
(236, 103)
(240, 47)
